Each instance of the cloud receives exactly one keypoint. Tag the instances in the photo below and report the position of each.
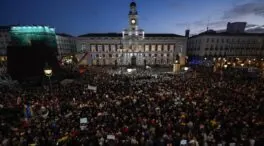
(240, 9)
(258, 29)
(251, 25)
(256, 8)
(217, 23)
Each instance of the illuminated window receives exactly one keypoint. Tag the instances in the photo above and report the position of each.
(159, 48)
(153, 47)
(146, 48)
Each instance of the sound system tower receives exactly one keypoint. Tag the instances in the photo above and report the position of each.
(25, 62)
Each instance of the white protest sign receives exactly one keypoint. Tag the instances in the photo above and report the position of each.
(83, 121)
(94, 88)
(112, 137)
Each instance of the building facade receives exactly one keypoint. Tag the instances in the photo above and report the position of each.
(226, 44)
(236, 27)
(65, 44)
(133, 46)
(4, 39)
(26, 35)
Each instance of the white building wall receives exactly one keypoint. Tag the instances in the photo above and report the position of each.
(107, 50)
(65, 44)
(237, 45)
(5, 39)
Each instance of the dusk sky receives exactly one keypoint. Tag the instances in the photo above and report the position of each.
(78, 17)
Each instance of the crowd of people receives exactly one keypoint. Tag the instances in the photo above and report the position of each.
(161, 110)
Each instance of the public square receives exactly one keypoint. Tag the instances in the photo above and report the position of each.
(132, 73)
(137, 109)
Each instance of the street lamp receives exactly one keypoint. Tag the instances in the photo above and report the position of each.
(186, 68)
(48, 73)
(121, 56)
(225, 66)
(242, 64)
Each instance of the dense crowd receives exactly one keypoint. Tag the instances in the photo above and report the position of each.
(138, 109)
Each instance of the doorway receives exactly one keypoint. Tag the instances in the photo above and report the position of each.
(133, 61)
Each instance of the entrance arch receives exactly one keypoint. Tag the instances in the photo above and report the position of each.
(133, 60)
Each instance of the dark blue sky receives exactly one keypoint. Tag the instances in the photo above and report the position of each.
(161, 16)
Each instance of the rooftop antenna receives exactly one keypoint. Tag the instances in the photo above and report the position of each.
(208, 22)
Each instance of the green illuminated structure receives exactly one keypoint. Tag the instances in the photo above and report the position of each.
(25, 35)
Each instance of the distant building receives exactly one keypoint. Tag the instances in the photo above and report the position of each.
(65, 43)
(133, 46)
(25, 35)
(187, 33)
(236, 27)
(226, 44)
(4, 39)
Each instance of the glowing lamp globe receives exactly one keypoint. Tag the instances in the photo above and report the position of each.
(185, 68)
(48, 72)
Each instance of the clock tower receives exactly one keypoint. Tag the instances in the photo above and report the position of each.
(132, 39)
(133, 17)
(133, 32)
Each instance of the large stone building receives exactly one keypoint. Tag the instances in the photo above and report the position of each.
(132, 47)
(4, 41)
(65, 44)
(211, 43)
(236, 27)
(26, 35)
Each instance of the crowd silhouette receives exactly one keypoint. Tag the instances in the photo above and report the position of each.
(139, 109)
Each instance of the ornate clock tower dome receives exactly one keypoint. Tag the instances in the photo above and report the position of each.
(133, 16)
(133, 32)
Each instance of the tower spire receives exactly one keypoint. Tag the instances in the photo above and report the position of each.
(208, 22)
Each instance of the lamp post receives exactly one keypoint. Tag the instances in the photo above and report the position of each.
(225, 66)
(185, 70)
(48, 73)
(121, 56)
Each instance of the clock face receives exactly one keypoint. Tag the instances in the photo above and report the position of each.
(133, 21)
